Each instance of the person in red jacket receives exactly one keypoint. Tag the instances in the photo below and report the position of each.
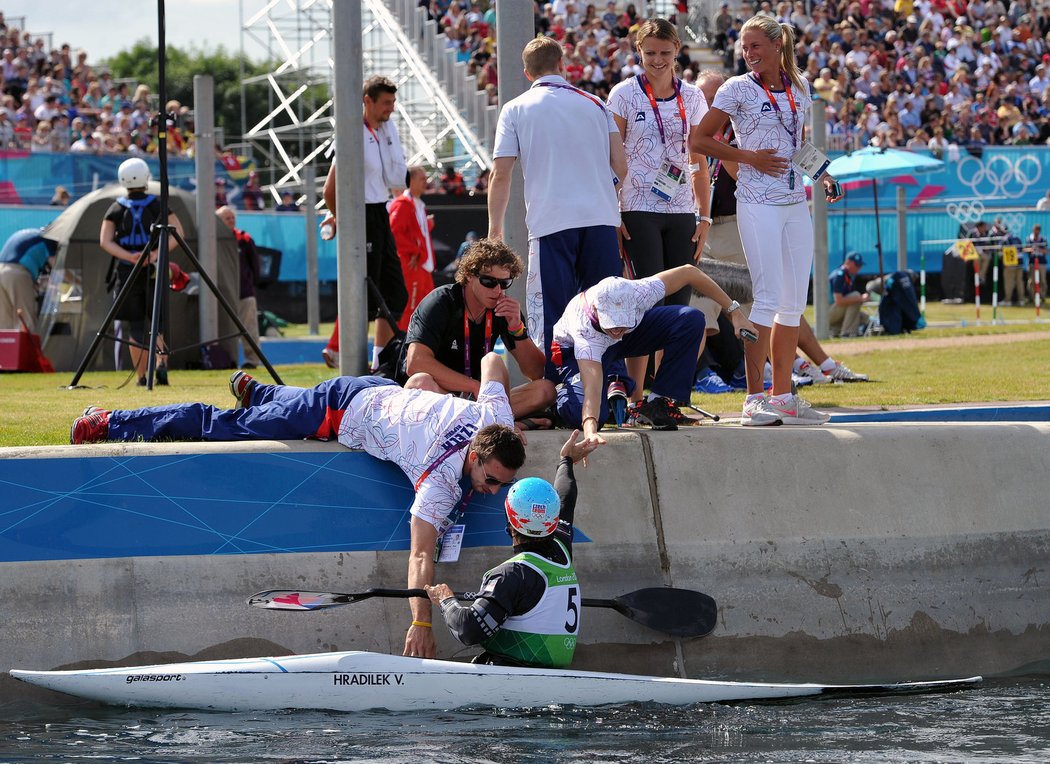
(411, 226)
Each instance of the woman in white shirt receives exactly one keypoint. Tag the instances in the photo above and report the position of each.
(769, 108)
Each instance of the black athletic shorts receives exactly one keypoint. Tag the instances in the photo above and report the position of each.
(384, 266)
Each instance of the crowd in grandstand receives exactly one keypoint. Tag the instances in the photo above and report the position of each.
(55, 101)
(930, 74)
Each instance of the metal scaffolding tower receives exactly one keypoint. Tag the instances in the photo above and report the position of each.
(295, 36)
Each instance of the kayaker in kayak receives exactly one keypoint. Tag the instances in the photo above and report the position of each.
(527, 612)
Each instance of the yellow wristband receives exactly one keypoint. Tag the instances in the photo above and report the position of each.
(423, 624)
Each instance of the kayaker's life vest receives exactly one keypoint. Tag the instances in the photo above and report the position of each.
(133, 234)
(545, 635)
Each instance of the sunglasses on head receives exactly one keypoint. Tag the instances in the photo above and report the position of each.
(490, 282)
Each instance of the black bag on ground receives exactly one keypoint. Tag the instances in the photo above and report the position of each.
(214, 356)
(899, 309)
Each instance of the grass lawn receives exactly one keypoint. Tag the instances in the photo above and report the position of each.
(942, 364)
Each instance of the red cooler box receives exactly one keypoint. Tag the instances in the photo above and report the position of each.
(20, 351)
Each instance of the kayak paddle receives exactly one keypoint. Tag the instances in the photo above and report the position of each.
(678, 612)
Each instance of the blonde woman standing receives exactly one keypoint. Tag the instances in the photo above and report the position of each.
(769, 108)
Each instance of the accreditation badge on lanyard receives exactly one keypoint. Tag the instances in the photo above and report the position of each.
(671, 174)
(450, 526)
(793, 130)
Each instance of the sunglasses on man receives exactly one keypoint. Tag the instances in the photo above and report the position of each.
(489, 480)
(490, 282)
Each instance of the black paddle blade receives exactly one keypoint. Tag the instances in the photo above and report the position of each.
(678, 612)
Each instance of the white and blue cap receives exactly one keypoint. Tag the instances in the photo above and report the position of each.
(533, 507)
(615, 302)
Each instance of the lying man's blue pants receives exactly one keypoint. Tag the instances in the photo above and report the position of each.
(275, 412)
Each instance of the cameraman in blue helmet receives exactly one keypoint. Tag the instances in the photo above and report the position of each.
(527, 612)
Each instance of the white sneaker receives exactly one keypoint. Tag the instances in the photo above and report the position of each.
(757, 413)
(800, 380)
(796, 411)
(816, 376)
(843, 373)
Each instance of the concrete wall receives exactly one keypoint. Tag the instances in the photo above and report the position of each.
(870, 552)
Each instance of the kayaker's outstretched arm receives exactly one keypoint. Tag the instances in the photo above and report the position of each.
(419, 640)
(508, 589)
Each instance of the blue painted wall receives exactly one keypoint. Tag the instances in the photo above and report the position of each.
(201, 504)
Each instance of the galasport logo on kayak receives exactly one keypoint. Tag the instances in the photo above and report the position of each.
(154, 678)
(373, 680)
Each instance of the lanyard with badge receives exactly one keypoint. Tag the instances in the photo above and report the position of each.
(450, 534)
(809, 158)
(670, 176)
(467, 366)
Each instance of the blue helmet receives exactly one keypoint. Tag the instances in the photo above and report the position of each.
(533, 507)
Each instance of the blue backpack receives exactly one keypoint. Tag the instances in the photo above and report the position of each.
(137, 236)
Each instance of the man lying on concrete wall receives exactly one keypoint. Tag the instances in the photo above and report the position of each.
(457, 324)
(437, 440)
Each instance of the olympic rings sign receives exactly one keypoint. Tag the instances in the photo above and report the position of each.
(999, 175)
(966, 212)
(1014, 221)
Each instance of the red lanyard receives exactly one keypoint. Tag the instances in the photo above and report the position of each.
(776, 107)
(368, 127)
(437, 462)
(460, 508)
(648, 90)
(467, 366)
(590, 313)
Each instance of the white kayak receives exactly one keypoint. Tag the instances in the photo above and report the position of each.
(358, 681)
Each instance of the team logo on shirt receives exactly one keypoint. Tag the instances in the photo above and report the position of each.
(767, 107)
(458, 434)
(639, 117)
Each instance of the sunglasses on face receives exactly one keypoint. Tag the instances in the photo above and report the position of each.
(489, 480)
(490, 282)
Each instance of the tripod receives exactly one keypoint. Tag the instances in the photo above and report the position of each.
(159, 239)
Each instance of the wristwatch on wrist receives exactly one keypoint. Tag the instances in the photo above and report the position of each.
(704, 218)
(734, 305)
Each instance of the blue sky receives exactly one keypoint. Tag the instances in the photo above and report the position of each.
(105, 27)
